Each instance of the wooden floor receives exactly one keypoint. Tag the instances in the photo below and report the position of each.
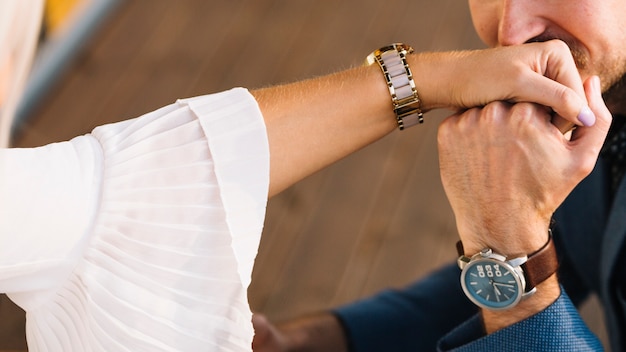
(377, 219)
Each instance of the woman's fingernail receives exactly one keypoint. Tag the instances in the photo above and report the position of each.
(586, 117)
(596, 85)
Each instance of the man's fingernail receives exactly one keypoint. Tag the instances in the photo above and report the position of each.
(586, 117)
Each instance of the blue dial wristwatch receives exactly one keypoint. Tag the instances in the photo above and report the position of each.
(493, 282)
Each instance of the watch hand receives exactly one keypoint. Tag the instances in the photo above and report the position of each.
(501, 284)
(495, 288)
(498, 293)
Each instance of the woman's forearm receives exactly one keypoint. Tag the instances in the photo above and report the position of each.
(312, 124)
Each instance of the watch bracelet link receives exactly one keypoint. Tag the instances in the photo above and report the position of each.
(406, 103)
(539, 266)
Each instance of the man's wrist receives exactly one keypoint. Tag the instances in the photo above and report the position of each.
(513, 241)
(547, 292)
(509, 239)
(504, 283)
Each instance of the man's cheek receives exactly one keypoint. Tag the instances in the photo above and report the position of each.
(5, 75)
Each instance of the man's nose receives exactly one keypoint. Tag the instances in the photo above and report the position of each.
(520, 22)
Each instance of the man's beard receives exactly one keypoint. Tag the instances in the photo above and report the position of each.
(612, 76)
(615, 96)
(612, 73)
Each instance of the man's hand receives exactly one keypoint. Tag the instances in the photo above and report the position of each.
(506, 168)
(267, 338)
(320, 332)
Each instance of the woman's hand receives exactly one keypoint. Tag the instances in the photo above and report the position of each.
(543, 73)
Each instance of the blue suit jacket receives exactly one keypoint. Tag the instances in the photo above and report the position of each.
(434, 314)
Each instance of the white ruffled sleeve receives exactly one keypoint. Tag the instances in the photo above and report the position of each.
(240, 152)
(47, 201)
(166, 215)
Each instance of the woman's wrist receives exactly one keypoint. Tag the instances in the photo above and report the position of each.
(312, 124)
(424, 70)
(436, 80)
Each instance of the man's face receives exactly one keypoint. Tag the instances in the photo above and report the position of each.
(5, 67)
(595, 30)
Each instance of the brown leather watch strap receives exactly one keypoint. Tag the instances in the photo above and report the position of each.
(540, 265)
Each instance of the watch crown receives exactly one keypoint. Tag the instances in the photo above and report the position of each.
(486, 252)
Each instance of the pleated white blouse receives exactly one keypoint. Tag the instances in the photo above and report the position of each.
(140, 236)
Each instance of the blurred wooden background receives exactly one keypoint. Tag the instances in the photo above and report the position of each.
(376, 219)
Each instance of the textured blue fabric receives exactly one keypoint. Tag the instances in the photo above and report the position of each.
(557, 328)
(413, 319)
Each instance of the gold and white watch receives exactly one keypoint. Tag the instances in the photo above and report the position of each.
(406, 102)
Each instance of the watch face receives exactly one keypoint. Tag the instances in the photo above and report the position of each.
(491, 284)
